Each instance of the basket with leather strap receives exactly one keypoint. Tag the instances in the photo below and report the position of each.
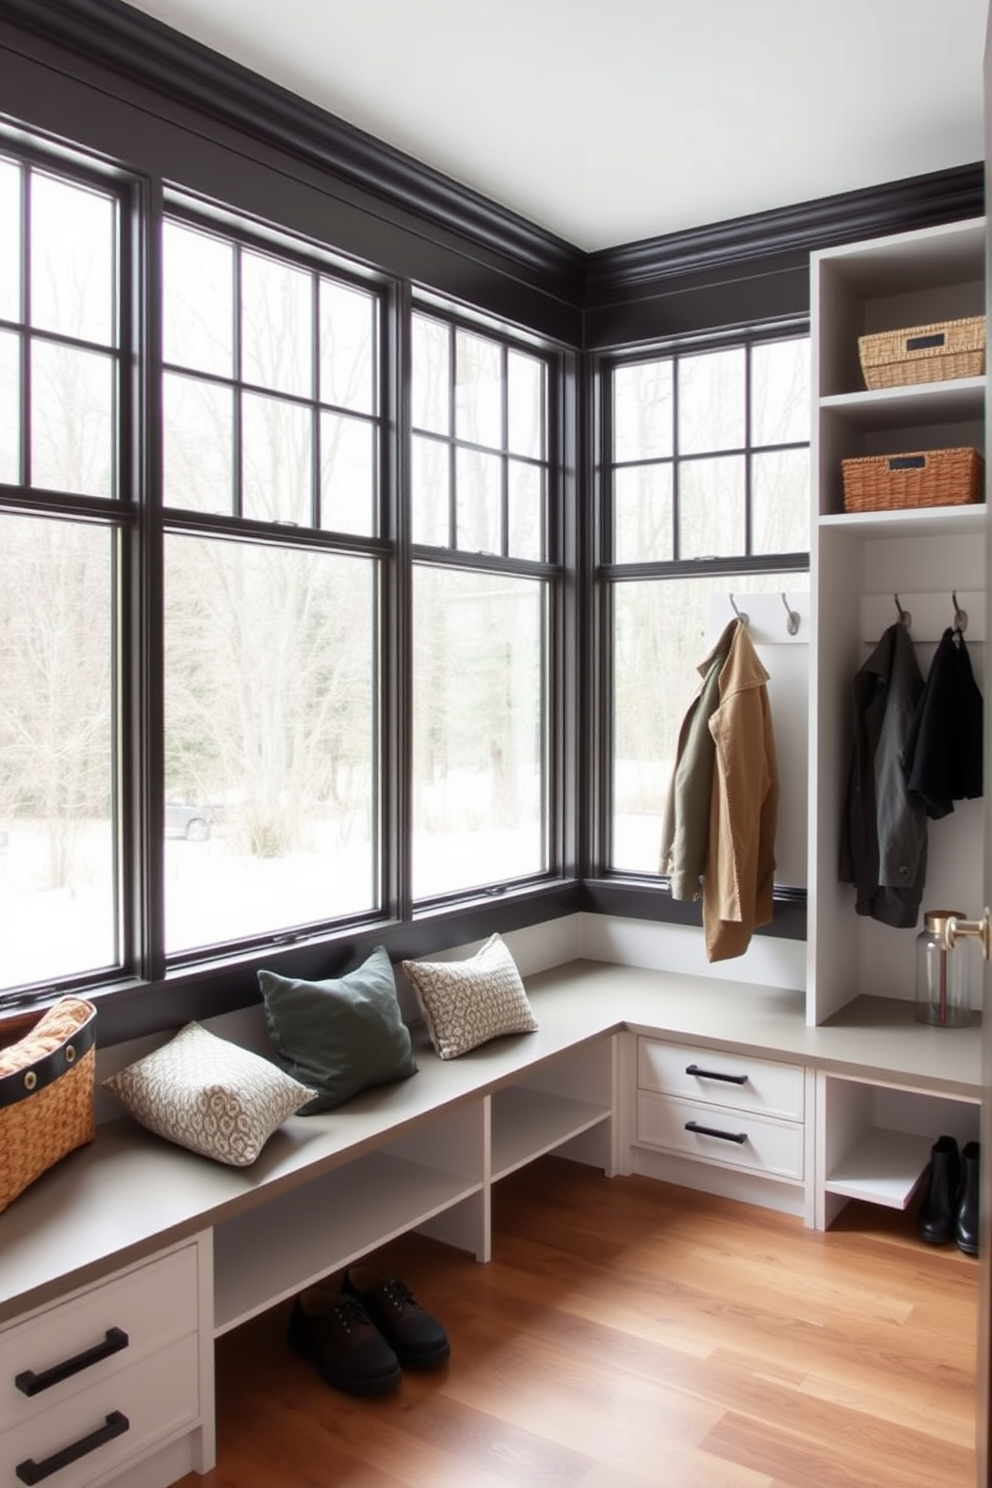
(46, 1094)
(942, 477)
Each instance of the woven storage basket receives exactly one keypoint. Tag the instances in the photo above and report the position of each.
(943, 477)
(926, 353)
(46, 1094)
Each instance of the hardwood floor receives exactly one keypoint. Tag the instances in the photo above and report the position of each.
(630, 1334)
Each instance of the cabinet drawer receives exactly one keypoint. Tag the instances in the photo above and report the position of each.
(108, 1423)
(109, 1327)
(734, 1139)
(734, 1080)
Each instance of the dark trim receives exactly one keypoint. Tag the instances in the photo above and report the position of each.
(152, 54)
(133, 1011)
(647, 901)
(898, 206)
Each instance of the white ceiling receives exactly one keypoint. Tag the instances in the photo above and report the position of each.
(611, 122)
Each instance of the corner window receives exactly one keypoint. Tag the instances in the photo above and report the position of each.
(707, 487)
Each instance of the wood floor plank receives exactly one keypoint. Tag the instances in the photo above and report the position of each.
(629, 1334)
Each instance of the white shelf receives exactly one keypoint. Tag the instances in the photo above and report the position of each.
(275, 1249)
(527, 1123)
(885, 1168)
(931, 521)
(954, 401)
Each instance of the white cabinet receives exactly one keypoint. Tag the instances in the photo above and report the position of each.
(871, 1144)
(111, 1384)
(719, 1109)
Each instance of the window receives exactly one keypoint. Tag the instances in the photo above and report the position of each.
(62, 477)
(482, 605)
(708, 489)
(271, 441)
(274, 664)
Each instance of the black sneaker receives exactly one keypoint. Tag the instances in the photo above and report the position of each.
(418, 1338)
(333, 1331)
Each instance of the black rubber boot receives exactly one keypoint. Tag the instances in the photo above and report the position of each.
(935, 1222)
(966, 1222)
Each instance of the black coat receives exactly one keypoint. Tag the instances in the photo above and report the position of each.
(883, 840)
(944, 751)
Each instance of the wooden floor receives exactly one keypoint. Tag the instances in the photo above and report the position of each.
(629, 1334)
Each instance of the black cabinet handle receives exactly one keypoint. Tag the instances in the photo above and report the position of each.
(30, 1383)
(30, 1471)
(705, 1074)
(712, 1131)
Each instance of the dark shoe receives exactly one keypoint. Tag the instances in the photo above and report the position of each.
(966, 1222)
(418, 1338)
(334, 1332)
(936, 1217)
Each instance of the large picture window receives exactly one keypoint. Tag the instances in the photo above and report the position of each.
(271, 430)
(277, 616)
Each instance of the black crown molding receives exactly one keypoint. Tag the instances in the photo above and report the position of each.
(124, 42)
(116, 36)
(789, 232)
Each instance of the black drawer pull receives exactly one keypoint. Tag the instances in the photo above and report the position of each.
(920, 343)
(30, 1471)
(30, 1383)
(712, 1131)
(703, 1074)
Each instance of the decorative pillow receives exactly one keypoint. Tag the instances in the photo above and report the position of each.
(467, 1003)
(342, 1035)
(208, 1094)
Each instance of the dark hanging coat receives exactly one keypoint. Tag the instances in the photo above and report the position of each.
(883, 846)
(944, 753)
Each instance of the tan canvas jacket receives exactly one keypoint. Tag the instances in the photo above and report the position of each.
(737, 884)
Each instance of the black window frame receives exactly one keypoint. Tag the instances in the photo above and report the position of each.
(550, 570)
(137, 511)
(603, 878)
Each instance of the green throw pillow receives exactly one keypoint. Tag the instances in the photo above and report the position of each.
(342, 1035)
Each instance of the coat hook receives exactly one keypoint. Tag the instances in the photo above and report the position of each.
(792, 624)
(741, 615)
(960, 615)
(904, 615)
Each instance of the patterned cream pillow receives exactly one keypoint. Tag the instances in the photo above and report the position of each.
(208, 1094)
(467, 1003)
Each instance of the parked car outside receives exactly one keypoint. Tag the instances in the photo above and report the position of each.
(183, 820)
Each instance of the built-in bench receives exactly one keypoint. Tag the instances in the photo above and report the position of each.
(715, 1083)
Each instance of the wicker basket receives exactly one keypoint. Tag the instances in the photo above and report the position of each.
(943, 477)
(926, 353)
(46, 1094)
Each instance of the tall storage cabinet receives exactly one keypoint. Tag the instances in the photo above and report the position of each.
(865, 566)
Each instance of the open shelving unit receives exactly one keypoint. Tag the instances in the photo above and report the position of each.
(872, 1142)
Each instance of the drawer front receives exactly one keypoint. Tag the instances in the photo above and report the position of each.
(62, 1349)
(734, 1080)
(734, 1139)
(111, 1422)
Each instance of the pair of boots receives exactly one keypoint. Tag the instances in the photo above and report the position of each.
(950, 1204)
